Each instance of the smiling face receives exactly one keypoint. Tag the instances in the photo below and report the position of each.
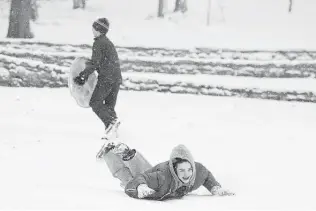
(184, 171)
(95, 32)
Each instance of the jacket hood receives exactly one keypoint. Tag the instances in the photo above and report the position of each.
(181, 151)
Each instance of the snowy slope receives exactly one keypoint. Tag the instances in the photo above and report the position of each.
(244, 24)
(262, 150)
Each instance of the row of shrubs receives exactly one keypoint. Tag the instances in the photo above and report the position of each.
(23, 76)
(268, 55)
(172, 66)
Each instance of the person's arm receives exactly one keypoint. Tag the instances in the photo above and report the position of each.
(94, 62)
(212, 185)
(209, 179)
(91, 65)
(144, 184)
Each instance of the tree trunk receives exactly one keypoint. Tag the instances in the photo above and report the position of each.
(290, 6)
(181, 5)
(161, 8)
(76, 4)
(79, 4)
(19, 20)
(34, 10)
(208, 17)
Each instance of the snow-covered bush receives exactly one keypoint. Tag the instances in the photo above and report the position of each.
(46, 65)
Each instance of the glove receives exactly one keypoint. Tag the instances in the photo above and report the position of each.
(81, 79)
(143, 190)
(218, 191)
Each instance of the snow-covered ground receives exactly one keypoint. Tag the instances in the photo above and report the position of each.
(261, 150)
(244, 24)
(231, 82)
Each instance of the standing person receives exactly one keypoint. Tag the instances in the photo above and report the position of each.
(171, 179)
(106, 62)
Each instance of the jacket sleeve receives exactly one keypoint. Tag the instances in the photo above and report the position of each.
(153, 180)
(209, 179)
(95, 61)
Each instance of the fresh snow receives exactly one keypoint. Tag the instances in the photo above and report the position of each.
(243, 24)
(240, 82)
(217, 61)
(161, 59)
(261, 150)
(38, 52)
(33, 63)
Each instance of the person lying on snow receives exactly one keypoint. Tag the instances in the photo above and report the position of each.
(171, 179)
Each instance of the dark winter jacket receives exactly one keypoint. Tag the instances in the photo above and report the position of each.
(163, 179)
(105, 60)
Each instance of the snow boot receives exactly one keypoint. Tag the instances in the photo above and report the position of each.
(124, 151)
(106, 147)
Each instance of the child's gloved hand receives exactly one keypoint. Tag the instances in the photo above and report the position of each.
(81, 79)
(217, 190)
(143, 191)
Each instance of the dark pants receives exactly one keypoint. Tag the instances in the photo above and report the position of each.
(103, 101)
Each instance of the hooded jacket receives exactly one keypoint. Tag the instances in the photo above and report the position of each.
(163, 179)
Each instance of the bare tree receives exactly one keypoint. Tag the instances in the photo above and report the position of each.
(290, 5)
(181, 5)
(79, 4)
(19, 20)
(208, 19)
(162, 8)
(34, 10)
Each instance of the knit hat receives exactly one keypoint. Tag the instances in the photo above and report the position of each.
(101, 25)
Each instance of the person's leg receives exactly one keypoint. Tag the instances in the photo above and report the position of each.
(111, 99)
(118, 168)
(100, 93)
(138, 164)
(126, 170)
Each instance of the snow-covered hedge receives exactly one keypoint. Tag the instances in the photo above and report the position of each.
(230, 54)
(175, 65)
(191, 88)
(46, 65)
(26, 73)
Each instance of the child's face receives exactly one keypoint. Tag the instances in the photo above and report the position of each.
(184, 171)
(95, 32)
